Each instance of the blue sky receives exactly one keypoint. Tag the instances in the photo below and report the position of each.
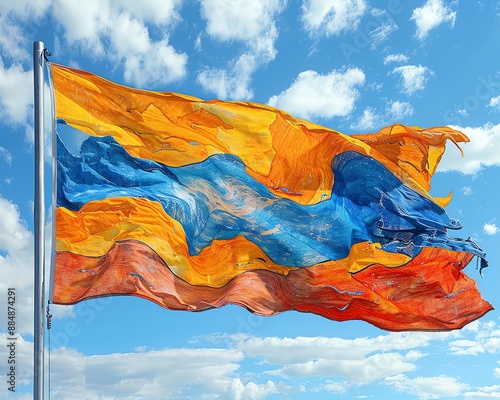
(352, 65)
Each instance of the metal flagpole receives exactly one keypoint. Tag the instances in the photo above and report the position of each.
(39, 264)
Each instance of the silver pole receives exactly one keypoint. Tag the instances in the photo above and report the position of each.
(39, 265)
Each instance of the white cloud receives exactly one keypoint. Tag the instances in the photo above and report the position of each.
(432, 14)
(414, 78)
(14, 236)
(397, 58)
(360, 360)
(362, 371)
(384, 30)
(337, 387)
(5, 155)
(427, 387)
(330, 17)
(483, 150)
(495, 102)
(249, 22)
(364, 360)
(12, 41)
(155, 374)
(191, 373)
(16, 93)
(153, 11)
(118, 30)
(492, 344)
(25, 8)
(20, 23)
(486, 338)
(23, 358)
(399, 110)
(195, 373)
(496, 372)
(231, 83)
(465, 346)
(148, 67)
(197, 43)
(467, 190)
(298, 350)
(486, 392)
(371, 120)
(84, 23)
(16, 267)
(238, 390)
(490, 229)
(313, 95)
(238, 19)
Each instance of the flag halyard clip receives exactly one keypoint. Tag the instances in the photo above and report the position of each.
(46, 54)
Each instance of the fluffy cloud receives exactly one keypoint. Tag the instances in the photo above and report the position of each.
(397, 58)
(399, 110)
(16, 265)
(313, 95)
(371, 120)
(299, 350)
(14, 236)
(24, 363)
(427, 387)
(238, 19)
(201, 373)
(384, 30)
(15, 35)
(414, 78)
(490, 229)
(330, 17)
(466, 347)
(486, 392)
(252, 24)
(467, 190)
(154, 374)
(495, 102)
(483, 150)
(210, 372)
(337, 387)
(233, 82)
(5, 155)
(118, 30)
(361, 371)
(432, 14)
(26, 8)
(238, 390)
(360, 360)
(16, 93)
(12, 41)
(486, 338)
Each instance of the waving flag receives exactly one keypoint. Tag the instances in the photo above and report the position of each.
(196, 204)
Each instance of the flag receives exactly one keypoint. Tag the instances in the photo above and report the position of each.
(197, 204)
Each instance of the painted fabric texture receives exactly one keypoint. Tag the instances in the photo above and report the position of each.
(197, 204)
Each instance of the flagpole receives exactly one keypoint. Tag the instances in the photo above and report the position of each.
(39, 214)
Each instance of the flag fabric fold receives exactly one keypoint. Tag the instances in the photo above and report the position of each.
(197, 204)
